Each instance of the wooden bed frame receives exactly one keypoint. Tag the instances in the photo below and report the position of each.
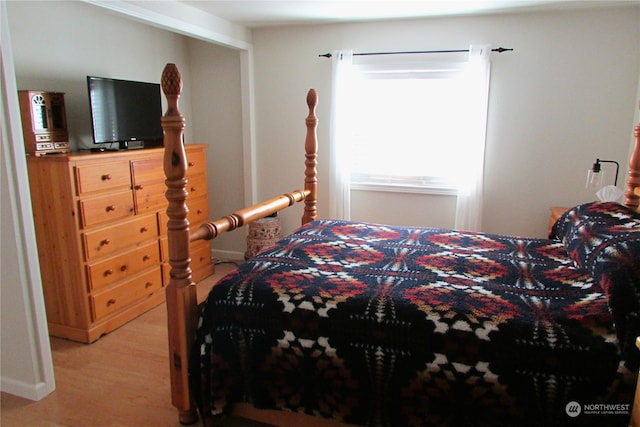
(181, 292)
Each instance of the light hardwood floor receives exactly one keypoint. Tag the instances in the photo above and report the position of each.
(120, 380)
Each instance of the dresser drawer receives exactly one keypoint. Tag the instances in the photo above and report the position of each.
(198, 214)
(200, 253)
(119, 267)
(196, 186)
(195, 250)
(98, 210)
(164, 248)
(198, 210)
(103, 176)
(127, 233)
(150, 197)
(196, 163)
(111, 300)
(147, 170)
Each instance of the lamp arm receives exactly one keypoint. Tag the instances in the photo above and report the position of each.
(615, 182)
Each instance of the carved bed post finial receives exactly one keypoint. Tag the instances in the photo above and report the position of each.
(311, 154)
(181, 292)
(632, 199)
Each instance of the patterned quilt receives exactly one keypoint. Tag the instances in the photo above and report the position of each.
(390, 326)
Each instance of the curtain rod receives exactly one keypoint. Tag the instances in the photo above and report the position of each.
(498, 49)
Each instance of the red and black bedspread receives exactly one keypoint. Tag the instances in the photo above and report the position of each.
(380, 325)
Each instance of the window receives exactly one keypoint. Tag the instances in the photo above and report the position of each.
(407, 127)
(410, 127)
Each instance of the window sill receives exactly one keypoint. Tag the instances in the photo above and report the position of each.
(405, 188)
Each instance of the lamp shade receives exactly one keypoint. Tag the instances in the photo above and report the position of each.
(594, 177)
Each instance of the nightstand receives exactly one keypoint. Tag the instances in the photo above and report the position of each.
(556, 212)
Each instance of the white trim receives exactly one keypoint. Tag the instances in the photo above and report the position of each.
(405, 188)
(26, 390)
(13, 158)
(210, 27)
(248, 127)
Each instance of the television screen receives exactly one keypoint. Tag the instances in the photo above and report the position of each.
(124, 110)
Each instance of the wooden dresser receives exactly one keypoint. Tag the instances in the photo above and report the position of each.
(101, 231)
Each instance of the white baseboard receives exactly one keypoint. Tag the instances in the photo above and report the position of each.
(227, 255)
(22, 389)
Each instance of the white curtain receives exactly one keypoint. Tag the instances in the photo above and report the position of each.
(339, 180)
(474, 128)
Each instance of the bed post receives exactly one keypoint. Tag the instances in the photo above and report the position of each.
(632, 199)
(181, 291)
(311, 153)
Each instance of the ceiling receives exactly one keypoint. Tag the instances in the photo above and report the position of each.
(279, 12)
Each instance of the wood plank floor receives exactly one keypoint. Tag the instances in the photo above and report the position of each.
(120, 380)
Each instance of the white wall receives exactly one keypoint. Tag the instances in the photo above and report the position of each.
(217, 119)
(565, 96)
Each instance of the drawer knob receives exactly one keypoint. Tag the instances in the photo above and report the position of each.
(110, 208)
(139, 187)
(148, 285)
(123, 267)
(199, 211)
(193, 189)
(191, 164)
(104, 242)
(108, 272)
(111, 302)
(146, 258)
(106, 177)
(144, 229)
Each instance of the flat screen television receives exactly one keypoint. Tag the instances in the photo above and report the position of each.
(123, 111)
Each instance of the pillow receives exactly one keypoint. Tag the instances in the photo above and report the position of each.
(616, 269)
(589, 228)
(604, 239)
